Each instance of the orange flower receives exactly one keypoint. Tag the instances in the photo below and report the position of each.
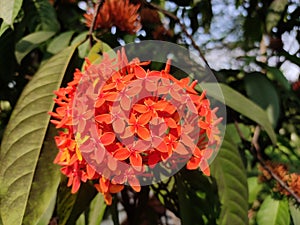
(292, 180)
(135, 119)
(119, 13)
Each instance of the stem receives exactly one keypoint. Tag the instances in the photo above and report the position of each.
(255, 149)
(92, 27)
(177, 20)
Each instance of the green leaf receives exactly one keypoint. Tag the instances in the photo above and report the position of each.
(293, 58)
(46, 217)
(60, 42)
(21, 160)
(276, 74)
(273, 212)
(9, 10)
(81, 220)
(263, 93)
(96, 52)
(94, 214)
(245, 130)
(3, 28)
(274, 13)
(43, 16)
(30, 42)
(71, 206)
(84, 47)
(231, 178)
(96, 210)
(254, 188)
(46, 179)
(295, 213)
(197, 200)
(243, 105)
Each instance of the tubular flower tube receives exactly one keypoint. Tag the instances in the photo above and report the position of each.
(117, 119)
(121, 14)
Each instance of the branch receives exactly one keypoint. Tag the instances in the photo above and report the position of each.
(92, 27)
(255, 149)
(177, 20)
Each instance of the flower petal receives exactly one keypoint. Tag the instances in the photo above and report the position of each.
(144, 119)
(115, 188)
(143, 133)
(140, 108)
(119, 126)
(106, 118)
(99, 102)
(171, 123)
(193, 163)
(205, 167)
(111, 96)
(99, 155)
(75, 185)
(135, 89)
(122, 154)
(134, 183)
(125, 102)
(181, 149)
(139, 72)
(107, 138)
(136, 160)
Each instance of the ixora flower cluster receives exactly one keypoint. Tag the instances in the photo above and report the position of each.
(119, 122)
(121, 14)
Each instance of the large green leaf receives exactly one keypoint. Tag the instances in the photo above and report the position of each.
(231, 178)
(243, 105)
(23, 165)
(9, 10)
(263, 93)
(295, 213)
(273, 212)
(81, 220)
(96, 210)
(60, 42)
(94, 214)
(30, 42)
(197, 200)
(44, 185)
(46, 217)
(71, 206)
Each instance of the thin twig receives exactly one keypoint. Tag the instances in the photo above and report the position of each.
(236, 124)
(256, 149)
(177, 20)
(92, 27)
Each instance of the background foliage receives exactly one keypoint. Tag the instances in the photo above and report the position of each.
(253, 47)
